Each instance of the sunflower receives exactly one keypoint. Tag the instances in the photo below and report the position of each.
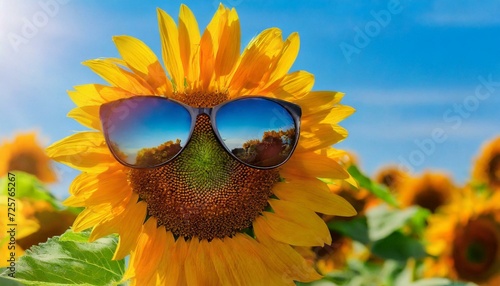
(25, 226)
(250, 218)
(25, 154)
(54, 222)
(329, 257)
(429, 191)
(487, 165)
(392, 177)
(465, 239)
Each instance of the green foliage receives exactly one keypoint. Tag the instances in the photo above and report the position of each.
(357, 228)
(69, 260)
(382, 221)
(29, 187)
(398, 246)
(378, 190)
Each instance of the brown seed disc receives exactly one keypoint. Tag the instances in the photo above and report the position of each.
(476, 250)
(204, 192)
(24, 162)
(493, 170)
(430, 199)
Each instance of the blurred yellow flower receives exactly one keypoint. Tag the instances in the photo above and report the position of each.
(53, 222)
(26, 155)
(464, 239)
(330, 257)
(253, 217)
(25, 225)
(429, 191)
(486, 167)
(391, 177)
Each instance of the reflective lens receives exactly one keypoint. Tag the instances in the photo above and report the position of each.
(145, 131)
(258, 131)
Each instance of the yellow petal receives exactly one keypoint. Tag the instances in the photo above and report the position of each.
(223, 267)
(189, 42)
(287, 57)
(96, 94)
(172, 267)
(166, 262)
(318, 137)
(209, 46)
(89, 189)
(111, 93)
(90, 217)
(282, 257)
(129, 227)
(119, 77)
(198, 257)
(228, 50)
(317, 101)
(296, 225)
(338, 113)
(140, 59)
(295, 85)
(112, 219)
(87, 94)
(309, 164)
(315, 195)
(340, 130)
(146, 257)
(88, 116)
(85, 151)
(244, 260)
(256, 63)
(169, 36)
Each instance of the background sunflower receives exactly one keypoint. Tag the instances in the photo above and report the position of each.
(431, 191)
(25, 154)
(464, 239)
(486, 167)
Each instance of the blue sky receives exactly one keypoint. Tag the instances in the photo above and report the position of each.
(424, 76)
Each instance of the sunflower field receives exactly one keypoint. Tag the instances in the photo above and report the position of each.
(207, 159)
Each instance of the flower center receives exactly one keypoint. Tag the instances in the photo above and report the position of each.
(429, 199)
(204, 192)
(24, 162)
(388, 180)
(475, 249)
(324, 252)
(494, 170)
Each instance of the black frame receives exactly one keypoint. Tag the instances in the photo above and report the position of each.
(293, 109)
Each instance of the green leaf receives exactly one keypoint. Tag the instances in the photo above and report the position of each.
(74, 236)
(418, 222)
(356, 228)
(383, 221)
(378, 190)
(70, 260)
(7, 281)
(28, 186)
(398, 247)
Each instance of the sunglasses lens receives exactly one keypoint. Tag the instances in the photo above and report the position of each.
(258, 131)
(145, 131)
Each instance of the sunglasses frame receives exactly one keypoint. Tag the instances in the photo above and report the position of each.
(293, 109)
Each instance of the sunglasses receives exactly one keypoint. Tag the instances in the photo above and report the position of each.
(150, 131)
